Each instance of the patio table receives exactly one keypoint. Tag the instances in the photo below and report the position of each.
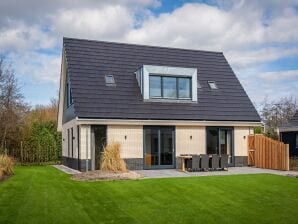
(183, 158)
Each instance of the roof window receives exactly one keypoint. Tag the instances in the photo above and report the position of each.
(212, 85)
(110, 81)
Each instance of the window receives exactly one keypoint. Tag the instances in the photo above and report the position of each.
(68, 94)
(155, 86)
(212, 141)
(212, 85)
(110, 81)
(169, 87)
(296, 140)
(68, 143)
(184, 88)
(71, 130)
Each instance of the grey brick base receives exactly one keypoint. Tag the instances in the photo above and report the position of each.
(76, 164)
(241, 160)
(134, 163)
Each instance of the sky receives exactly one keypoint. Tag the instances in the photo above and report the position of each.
(258, 38)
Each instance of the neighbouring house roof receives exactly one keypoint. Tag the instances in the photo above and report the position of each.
(89, 61)
(292, 125)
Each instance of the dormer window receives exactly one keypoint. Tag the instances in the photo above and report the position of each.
(163, 82)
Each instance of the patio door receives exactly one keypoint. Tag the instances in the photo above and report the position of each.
(98, 142)
(225, 143)
(159, 147)
(220, 141)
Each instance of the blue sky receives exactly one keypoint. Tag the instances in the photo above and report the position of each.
(258, 38)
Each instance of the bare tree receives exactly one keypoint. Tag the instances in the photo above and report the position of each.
(12, 107)
(277, 113)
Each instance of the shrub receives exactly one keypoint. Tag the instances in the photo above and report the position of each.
(110, 159)
(42, 143)
(6, 165)
(258, 130)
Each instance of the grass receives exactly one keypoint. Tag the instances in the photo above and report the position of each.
(46, 195)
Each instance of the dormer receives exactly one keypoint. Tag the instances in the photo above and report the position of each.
(167, 83)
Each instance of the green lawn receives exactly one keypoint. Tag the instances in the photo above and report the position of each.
(46, 195)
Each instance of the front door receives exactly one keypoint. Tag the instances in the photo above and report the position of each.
(159, 147)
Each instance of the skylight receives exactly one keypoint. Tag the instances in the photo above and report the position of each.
(212, 85)
(110, 81)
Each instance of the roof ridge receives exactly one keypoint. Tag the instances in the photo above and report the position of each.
(140, 45)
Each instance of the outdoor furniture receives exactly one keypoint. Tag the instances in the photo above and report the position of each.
(204, 162)
(224, 160)
(214, 162)
(188, 164)
(183, 158)
(195, 165)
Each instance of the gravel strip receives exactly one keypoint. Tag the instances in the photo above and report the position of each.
(99, 175)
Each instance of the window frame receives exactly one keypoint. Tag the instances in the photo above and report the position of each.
(161, 89)
(177, 78)
(68, 142)
(110, 80)
(210, 83)
(69, 98)
(72, 138)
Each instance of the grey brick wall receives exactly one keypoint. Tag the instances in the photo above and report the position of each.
(134, 163)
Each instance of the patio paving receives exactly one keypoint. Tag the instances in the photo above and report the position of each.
(169, 173)
(66, 169)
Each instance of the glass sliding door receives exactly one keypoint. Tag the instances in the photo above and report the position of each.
(212, 141)
(226, 143)
(159, 148)
(166, 147)
(151, 147)
(220, 141)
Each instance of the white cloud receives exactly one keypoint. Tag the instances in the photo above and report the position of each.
(208, 27)
(43, 68)
(248, 58)
(107, 22)
(278, 76)
(17, 36)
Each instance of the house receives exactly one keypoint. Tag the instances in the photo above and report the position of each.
(157, 102)
(289, 134)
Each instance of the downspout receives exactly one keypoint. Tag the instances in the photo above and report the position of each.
(87, 149)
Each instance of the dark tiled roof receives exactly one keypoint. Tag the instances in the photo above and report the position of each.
(294, 121)
(89, 62)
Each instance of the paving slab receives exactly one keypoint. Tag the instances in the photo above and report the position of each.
(66, 169)
(168, 173)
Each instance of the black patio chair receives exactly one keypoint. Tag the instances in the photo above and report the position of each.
(215, 162)
(188, 164)
(195, 163)
(224, 161)
(204, 162)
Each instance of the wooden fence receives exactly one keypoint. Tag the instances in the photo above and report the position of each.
(264, 152)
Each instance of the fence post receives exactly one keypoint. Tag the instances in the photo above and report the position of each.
(287, 157)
